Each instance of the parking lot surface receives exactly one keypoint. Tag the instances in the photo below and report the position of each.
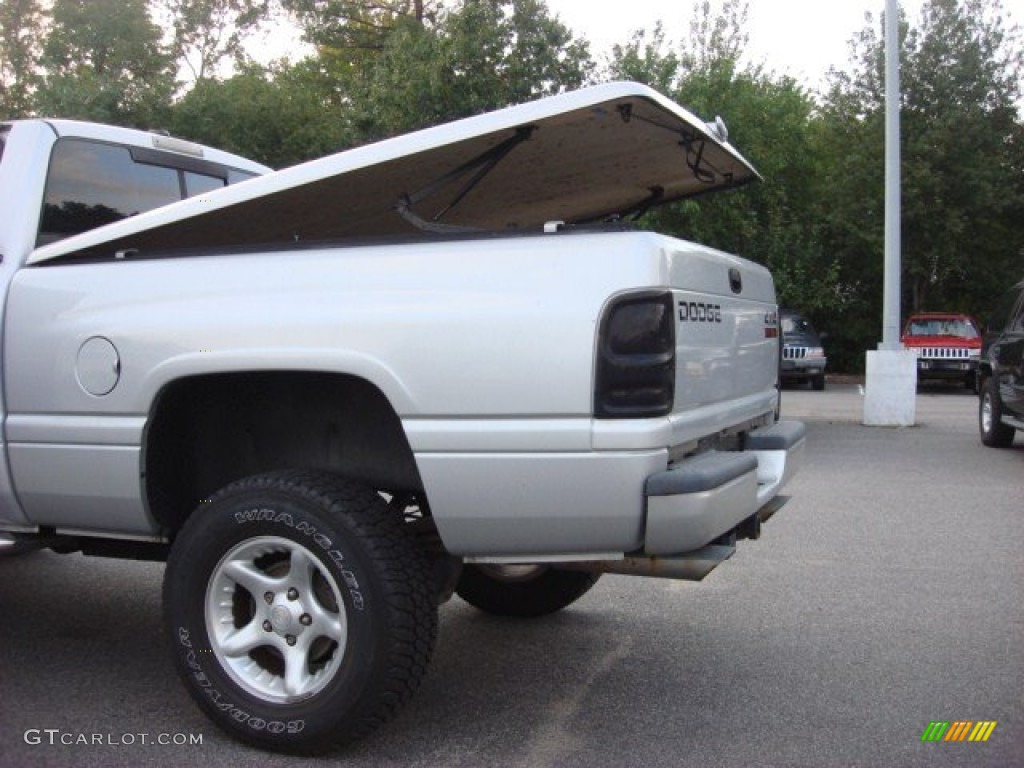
(884, 597)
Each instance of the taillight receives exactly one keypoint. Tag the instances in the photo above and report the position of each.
(636, 358)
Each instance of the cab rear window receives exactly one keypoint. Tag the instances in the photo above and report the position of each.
(91, 183)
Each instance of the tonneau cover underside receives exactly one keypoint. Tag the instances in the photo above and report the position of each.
(577, 157)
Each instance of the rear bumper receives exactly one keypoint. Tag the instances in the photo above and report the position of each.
(803, 369)
(712, 495)
(603, 505)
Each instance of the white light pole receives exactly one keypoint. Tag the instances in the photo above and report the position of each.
(891, 291)
(891, 385)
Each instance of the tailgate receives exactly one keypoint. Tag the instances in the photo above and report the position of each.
(727, 341)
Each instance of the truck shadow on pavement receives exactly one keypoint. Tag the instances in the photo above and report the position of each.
(85, 652)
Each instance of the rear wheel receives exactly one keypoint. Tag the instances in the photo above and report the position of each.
(990, 410)
(300, 610)
(522, 590)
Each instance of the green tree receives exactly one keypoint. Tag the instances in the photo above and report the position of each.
(349, 35)
(350, 39)
(962, 174)
(274, 115)
(771, 121)
(21, 29)
(477, 56)
(104, 61)
(354, 25)
(206, 32)
(851, 207)
(647, 58)
(717, 37)
(962, 192)
(422, 67)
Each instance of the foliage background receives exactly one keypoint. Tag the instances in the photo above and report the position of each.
(382, 67)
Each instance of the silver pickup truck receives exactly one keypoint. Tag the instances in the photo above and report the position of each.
(332, 396)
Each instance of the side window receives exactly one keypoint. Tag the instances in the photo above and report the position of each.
(198, 183)
(91, 184)
(1018, 325)
(235, 175)
(1000, 318)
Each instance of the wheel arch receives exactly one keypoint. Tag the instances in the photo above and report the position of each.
(207, 431)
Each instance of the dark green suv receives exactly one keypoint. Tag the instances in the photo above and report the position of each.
(1001, 371)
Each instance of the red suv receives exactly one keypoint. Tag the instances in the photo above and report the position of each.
(948, 346)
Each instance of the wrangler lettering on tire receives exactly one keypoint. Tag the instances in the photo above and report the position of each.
(301, 609)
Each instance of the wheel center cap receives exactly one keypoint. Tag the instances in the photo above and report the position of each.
(281, 618)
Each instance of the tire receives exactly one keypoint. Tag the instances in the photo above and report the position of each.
(522, 590)
(300, 610)
(818, 383)
(990, 410)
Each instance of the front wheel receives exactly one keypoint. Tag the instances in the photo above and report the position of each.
(990, 411)
(300, 610)
(522, 590)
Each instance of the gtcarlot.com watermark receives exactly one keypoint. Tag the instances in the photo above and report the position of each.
(56, 736)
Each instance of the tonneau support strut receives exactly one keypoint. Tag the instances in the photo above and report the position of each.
(479, 166)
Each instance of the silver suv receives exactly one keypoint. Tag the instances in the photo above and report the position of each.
(803, 357)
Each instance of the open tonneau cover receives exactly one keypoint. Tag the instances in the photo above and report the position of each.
(585, 156)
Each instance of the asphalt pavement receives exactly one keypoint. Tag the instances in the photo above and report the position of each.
(884, 597)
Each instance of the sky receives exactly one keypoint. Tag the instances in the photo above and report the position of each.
(800, 38)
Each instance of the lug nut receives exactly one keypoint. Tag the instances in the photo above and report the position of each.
(268, 627)
(305, 619)
(269, 597)
(293, 594)
(290, 639)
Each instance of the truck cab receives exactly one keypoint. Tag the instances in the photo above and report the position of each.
(88, 175)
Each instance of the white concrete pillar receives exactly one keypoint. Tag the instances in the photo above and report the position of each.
(890, 389)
